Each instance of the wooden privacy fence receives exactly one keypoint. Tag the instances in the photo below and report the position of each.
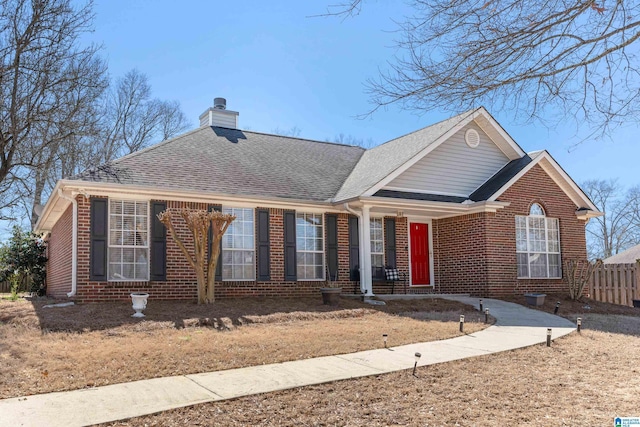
(615, 283)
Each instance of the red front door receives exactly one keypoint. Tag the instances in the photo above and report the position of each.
(419, 235)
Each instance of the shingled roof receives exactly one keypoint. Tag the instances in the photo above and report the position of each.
(222, 160)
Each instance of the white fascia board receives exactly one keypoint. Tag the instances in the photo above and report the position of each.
(410, 190)
(588, 214)
(566, 181)
(156, 193)
(47, 210)
(446, 207)
(500, 130)
(393, 175)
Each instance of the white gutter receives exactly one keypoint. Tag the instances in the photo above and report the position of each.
(363, 255)
(74, 243)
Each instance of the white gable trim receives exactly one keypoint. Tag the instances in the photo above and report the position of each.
(482, 117)
(579, 197)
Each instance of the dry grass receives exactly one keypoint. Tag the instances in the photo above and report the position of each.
(54, 349)
(582, 380)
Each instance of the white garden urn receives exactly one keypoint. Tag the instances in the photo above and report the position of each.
(139, 301)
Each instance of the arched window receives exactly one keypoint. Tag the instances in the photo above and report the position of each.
(538, 245)
(536, 210)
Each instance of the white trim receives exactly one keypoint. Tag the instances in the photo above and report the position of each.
(155, 193)
(567, 180)
(322, 251)
(232, 250)
(412, 190)
(74, 240)
(429, 223)
(148, 247)
(480, 112)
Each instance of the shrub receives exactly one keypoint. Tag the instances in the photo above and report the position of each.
(23, 261)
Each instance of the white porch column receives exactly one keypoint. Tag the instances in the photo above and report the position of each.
(366, 283)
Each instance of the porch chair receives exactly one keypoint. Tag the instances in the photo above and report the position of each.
(393, 275)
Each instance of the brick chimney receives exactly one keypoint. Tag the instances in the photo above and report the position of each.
(218, 115)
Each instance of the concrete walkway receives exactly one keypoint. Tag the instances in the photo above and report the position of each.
(516, 327)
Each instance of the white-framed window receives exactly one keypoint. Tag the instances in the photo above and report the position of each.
(128, 240)
(309, 246)
(538, 245)
(238, 246)
(377, 243)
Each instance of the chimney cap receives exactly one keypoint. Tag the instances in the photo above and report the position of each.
(220, 103)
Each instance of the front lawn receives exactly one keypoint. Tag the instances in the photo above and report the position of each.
(86, 345)
(582, 380)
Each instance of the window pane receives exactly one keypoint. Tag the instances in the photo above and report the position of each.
(523, 265)
(538, 265)
(128, 240)
(554, 265)
(536, 209)
(309, 235)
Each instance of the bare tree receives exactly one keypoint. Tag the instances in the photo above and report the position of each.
(132, 119)
(47, 80)
(550, 60)
(199, 222)
(617, 229)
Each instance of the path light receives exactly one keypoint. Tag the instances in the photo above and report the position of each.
(462, 323)
(555, 311)
(486, 316)
(548, 337)
(579, 322)
(415, 365)
(384, 338)
(480, 305)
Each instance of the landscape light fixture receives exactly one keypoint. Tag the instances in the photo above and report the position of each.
(555, 311)
(384, 338)
(415, 365)
(548, 337)
(462, 323)
(486, 316)
(480, 305)
(579, 322)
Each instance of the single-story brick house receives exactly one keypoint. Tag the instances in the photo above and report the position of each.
(457, 205)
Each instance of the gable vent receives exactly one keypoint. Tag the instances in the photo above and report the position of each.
(472, 138)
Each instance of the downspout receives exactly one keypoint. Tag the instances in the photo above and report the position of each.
(363, 264)
(74, 243)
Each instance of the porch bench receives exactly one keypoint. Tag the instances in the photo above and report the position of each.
(393, 276)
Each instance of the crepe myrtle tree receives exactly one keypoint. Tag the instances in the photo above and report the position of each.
(199, 222)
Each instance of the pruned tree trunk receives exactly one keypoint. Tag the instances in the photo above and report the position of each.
(199, 222)
(578, 272)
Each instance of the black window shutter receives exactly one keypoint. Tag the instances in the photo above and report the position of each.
(158, 243)
(99, 239)
(332, 245)
(290, 260)
(354, 249)
(390, 241)
(217, 208)
(262, 234)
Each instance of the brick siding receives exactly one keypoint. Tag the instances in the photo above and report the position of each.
(59, 248)
(472, 253)
(477, 253)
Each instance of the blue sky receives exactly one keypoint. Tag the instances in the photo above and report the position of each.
(280, 68)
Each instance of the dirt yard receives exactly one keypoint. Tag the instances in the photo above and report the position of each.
(582, 380)
(53, 349)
